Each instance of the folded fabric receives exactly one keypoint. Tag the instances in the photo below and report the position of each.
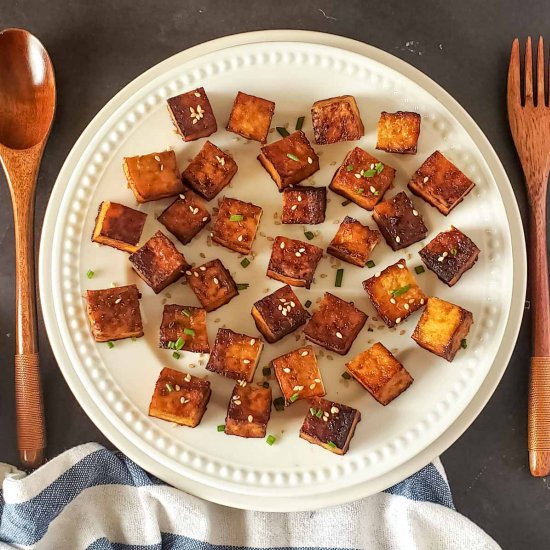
(90, 497)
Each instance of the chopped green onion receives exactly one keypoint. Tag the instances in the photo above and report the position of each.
(339, 277)
(221, 428)
(349, 167)
(309, 235)
(189, 332)
(319, 413)
(236, 218)
(294, 397)
(186, 312)
(370, 264)
(376, 193)
(464, 343)
(90, 274)
(169, 387)
(308, 303)
(300, 122)
(110, 345)
(398, 291)
(346, 375)
(419, 269)
(379, 167)
(245, 262)
(345, 203)
(331, 445)
(370, 330)
(171, 345)
(292, 157)
(454, 251)
(179, 343)
(265, 384)
(369, 173)
(242, 286)
(282, 131)
(279, 404)
(270, 440)
(266, 371)
(176, 355)
(312, 411)
(360, 191)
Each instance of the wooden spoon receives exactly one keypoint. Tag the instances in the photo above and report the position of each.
(27, 106)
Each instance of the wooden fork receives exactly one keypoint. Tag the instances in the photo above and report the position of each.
(530, 125)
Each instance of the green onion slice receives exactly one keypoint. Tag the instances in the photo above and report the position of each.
(186, 312)
(419, 269)
(90, 274)
(300, 122)
(292, 157)
(282, 131)
(294, 397)
(370, 263)
(464, 343)
(176, 355)
(279, 404)
(169, 387)
(221, 428)
(345, 203)
(242, 286)
(266, 371)
(339, 277)
(189, 332)
(319, 413)
(245, 262)
(309, 235)
(179, 343)
(399, 291)
(346, 375)
(110, 345)
(312, 411)
(236, 218)
(308, 303)
(270, 440)
(349, 167)
(331, 445)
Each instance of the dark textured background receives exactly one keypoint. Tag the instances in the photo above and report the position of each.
(98, 47)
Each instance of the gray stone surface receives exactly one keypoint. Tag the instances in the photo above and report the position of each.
(98, 47)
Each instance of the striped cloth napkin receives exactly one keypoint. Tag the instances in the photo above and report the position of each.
(90, 497)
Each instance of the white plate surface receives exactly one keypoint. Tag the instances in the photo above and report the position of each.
(118, 382)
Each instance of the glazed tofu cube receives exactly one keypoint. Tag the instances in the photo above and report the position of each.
(335, 324)
(394, 293)
(442, 328)
(180, 398)
(153, 177)
(184, 328)
(235, 355)
(210, 171)
(248, 411)
(440, 183)
(398, 132)
(279, 314)
(336, 119)
(330, 425)
(380, 373)
(449, 255)
(289, 160)
(118, 226)
(399, 221)
(353, 242)
(298, 375)
(114, 313)
(192, 114)
(186, 216)
(236, 225)
(362, 179)
(293, 262)
(212, 284)
(158, 262)
(305, 205)
(251, 117)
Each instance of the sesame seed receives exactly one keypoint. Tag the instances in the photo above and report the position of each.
(377, 274)
(240, 238)
(195, 274)
(398, 239)
(312, 386)
(216, 282)
(325, 418)
(202, 268)
(205, 219)
(422, 301)
(298, 254)
(118, 300)
(415, 213)
(357, 175)
(339, 335)
(188, 273)
(250, 418)
(426, 179)
(237, 402)
(282, 300)
(398, 320)
(400, 266)
(309, 160)
(334, 410)
(318, 380)
(252, 341)
(196, 211)
(157, 158)
(294, 206)
(292, 304)
(191, 209)
(299, 198)
(445, 254)
(372, 166)
(282, 245)
(280, 307)
(411, 301)
(177, 387)
(304, 353)
(183, 400)
(302, 250)
(187, 378)
(372, 189)
(182, 197)
(283, 311)
(241, 383)
(440, 259)
(406, 306)
(246, 361)
(286, 370)
(235, 397)
(392, 300)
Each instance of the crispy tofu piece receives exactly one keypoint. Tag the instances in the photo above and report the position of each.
(394, 293)
(235, 355)
(398, 132)
(186, 216)
(305, 205)
(289, 160)
(279, 314)
(251, 117)
(248, 411)
(236, 224)
(335, 324)
(399, 222)
(336, 119)
(353, 242)
(192, 115)
(293, 262)
(449, 255)
(114, 313)
(212, 284)
(184, 324)
(362, 179)
(153, 177)
(298, 375)
(158, 262)
(118, 226)
(380, 373)
(440, 183)
(180, 398)
(332, 428)
(210, 171)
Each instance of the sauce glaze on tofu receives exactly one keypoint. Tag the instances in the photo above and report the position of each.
(306, 205)
(336, 119)
(248, 411)
(251, 117)
(353, 242)
(187, 324)
(398, 132)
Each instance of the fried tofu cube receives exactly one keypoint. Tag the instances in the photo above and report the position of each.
(442, 328)
(236, 225)
(279, 314)
(394, 293)
(248, 411)
(362, 179)
(398, 132)
(180, 398)
(289, 160)
(185, 325)
(305, 205)
(353, 242)
(251, 117)
(186, 216)
(380, 373)
(440, 183)
(192, 114)
(293, 262)
(336, 119)
(210, 171)
(335, 324)
(298, 375)
(449, 255)
(235, 355)
(158, 262)
(330, 425)
(114, 313)
(118, 226)
(153, 177)
(212, 284)
(399, 222)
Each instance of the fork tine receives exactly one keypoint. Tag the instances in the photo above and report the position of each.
(514, 87)
(528, 72)
(540, 73)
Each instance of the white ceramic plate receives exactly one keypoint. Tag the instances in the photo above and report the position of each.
(115, 385)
